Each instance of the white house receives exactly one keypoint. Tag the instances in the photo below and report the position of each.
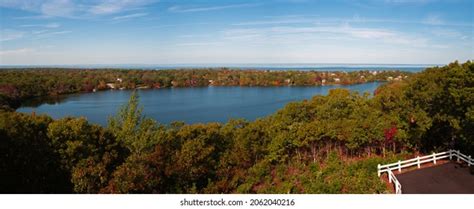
(111, 85)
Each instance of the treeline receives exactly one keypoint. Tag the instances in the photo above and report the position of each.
(17, 85)
(329, 144)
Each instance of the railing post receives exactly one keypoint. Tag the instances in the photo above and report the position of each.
(458, 155)
(389, 178)
(418, 161)
(469, 161)
(399, 166)
(450, 154)
(434, 158)
(378, 170)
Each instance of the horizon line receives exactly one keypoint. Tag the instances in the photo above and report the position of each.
(230, 64)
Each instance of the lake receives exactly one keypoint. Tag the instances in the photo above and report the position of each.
(191, 105)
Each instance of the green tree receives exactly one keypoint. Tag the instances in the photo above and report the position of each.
(28, 164)
(88, 152)
(131, 128)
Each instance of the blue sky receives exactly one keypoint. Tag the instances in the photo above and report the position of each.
(280, 31)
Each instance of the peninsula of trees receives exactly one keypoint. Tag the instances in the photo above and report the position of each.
(328, 144)
(18, 85)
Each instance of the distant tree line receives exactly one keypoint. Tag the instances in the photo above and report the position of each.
(328, 144)
(18, 85)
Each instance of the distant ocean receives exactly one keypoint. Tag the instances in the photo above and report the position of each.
(268, 66)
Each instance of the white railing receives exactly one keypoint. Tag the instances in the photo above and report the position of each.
(418, 161)
(392, 178)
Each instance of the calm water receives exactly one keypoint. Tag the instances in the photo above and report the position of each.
(191, 105)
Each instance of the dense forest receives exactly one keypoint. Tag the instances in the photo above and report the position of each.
(328, 144)
(18, 85)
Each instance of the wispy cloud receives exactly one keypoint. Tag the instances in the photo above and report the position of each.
(446, 32)
(36, 32)
(209, 8)
(10, 35)
(61, 8)
(430, 20)
(437, 20)
(198, 43)
(180, 25)
(276, 21)
(345, 29)
(51, 34)
(194, 36)
(301, 34)
(129, 16)
(73, 9)
(433, 20)
(117, 6)
(33, 17)
(44, 7)
(49, 25)
(59, 32)
(16, 51)
(409, 1)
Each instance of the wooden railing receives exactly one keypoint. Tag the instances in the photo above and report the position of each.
(418, 161)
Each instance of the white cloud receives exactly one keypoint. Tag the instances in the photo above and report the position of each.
(209, 8)
(445, 32)
(9, 35)
(35, 32)
(193, 35)
(433, 20)
(198, 43)
(48, 34)
(302, 35)
(59, 32)
(276, 21)
(129, 16)
(430, 20)
(368, 33)
(409, 1)
(16, 51)
(345, 30)
(33, 17)
(61, 8)
(45, 7)
(73, 9)
(117, 6)
(28, 5)
(49, 25)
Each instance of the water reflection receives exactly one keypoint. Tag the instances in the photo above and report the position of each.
(49, 100)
